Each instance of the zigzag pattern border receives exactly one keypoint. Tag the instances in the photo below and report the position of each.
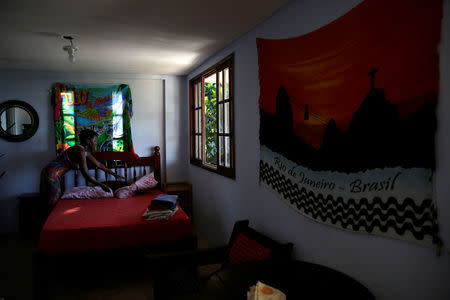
(357, 215)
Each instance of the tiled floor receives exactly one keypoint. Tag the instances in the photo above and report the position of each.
(16, 281)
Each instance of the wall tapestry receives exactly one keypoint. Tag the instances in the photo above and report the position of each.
(104, 109)
(347, 119)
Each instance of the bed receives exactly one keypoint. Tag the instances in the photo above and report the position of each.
(92, 225)
(84, 230)
(87, 225)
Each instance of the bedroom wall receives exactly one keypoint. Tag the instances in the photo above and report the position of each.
(391, 269)
(157, 106)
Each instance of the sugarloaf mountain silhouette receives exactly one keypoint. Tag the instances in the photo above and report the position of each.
(375, 138)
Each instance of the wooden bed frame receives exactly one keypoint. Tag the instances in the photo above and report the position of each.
(43, 262)
(126, 161)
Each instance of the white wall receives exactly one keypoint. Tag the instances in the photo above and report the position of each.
(391, 269)
(152, 97)
(176, 120)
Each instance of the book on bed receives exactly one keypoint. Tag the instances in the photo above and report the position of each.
(164, 200)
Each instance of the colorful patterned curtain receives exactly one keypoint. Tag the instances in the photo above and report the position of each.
(105, 109)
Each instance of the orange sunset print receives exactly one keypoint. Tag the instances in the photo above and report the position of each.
(358, 93)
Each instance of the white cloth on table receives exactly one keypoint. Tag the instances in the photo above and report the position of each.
(262, 291)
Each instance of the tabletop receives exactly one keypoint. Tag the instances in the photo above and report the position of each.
(297, 279)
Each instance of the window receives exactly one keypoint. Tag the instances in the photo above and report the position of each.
(212, 120)
(70, 125)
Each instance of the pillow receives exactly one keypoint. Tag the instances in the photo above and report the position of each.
(146, 182)
(115, 184)
(125, 192)
(86, 192)
(247, 249)
(143, 184)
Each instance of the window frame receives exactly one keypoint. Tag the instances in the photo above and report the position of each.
(230, 172)
(121, 138)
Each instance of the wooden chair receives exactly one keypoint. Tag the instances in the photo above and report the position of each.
(245, 244)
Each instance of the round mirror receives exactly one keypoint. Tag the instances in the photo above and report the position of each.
(18, 121)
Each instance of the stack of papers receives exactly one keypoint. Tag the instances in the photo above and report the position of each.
(262, 291)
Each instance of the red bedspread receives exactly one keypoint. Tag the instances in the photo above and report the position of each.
(110, 223)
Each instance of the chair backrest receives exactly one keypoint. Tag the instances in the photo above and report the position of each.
(246, 244)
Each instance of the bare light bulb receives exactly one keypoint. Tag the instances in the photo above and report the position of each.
(71, 49)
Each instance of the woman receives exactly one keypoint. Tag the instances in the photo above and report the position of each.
(72, 158)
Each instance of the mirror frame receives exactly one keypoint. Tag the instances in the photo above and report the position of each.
(33, 116)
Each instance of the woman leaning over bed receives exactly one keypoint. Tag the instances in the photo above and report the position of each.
(72, 158)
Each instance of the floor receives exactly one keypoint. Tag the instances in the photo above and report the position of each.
(16, 281)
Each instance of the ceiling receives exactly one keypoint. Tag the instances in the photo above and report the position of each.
(123, 36)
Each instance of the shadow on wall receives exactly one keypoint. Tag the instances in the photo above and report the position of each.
(22, 176)
(213, 224)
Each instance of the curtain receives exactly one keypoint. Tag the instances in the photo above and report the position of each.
(106, 109)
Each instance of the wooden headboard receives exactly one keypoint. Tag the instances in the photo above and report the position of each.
(126, 164)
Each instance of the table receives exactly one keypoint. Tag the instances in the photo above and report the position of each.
(297, 279)
(184, 191)
(33, 211)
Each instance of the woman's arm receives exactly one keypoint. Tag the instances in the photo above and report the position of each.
(101, 166)
(84, 171)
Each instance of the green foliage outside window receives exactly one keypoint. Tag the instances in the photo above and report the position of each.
(210, 123)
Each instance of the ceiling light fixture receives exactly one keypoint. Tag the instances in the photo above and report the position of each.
(71, 49)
